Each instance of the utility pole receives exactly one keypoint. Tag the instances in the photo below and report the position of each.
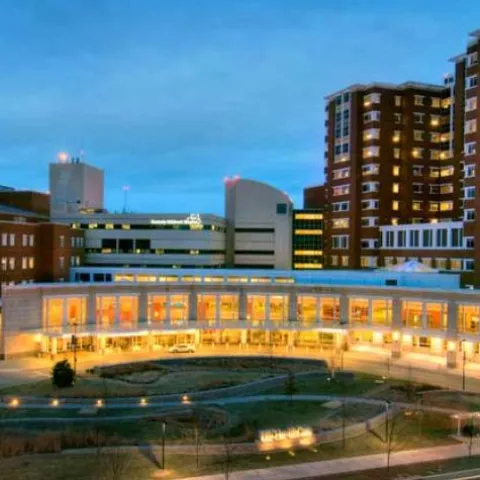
(463, 366)
(74, 345)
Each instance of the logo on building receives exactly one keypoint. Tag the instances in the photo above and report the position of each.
(193, 219)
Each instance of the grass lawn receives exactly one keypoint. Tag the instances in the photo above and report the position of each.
(434, 431)
(176, 382)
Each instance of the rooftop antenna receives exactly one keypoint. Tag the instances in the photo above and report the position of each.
(126, 189)
(81, 155)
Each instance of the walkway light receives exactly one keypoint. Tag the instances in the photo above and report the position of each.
(14, 402)
(54, 402)
(143, 402)
(185, 399)
(99, 403)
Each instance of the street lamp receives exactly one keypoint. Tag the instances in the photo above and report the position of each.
(164, 426)
(464, 361)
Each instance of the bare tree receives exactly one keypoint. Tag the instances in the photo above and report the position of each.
(115, 465)
(290, 387)
(470, 431)
(394, 424)
(228, 452)
(344, 423)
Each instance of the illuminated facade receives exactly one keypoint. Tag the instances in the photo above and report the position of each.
(151, 310)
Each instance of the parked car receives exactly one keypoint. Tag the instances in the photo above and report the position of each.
(182, 348)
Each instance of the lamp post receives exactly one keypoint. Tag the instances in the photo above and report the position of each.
(464, 361)
(164, 424)
(74, 345)
(386, 421)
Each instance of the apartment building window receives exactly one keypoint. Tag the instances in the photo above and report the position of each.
(469, 215)
(32, 240)
(446, 206)
(436, 102)
(61, 262)
(414, 238)
(417, 188)
(455, 264)
(340, 206)
(468, 264)
(367, 243)
(418, 100)
(401, 238)
(470, 126)
(373, 151)
(344, 260)
(334, 260)
(417, 171)
(416, 206)
(447, 171)
(434, 120)
(339, 241)
(469, 171)
(471, 82)
(418, 135)
(395, 205)
(418, 117)
(441, 263)
(370, 187)
(397, 117)
(371, 134)
(371, 169)
(12, 239)
(341, 190)
(369, 221)
(24, 240)
(24, 263)
(469, 192)
(368, 262)
(340, 223)
(472, 59)
(398, 100)
(11, 263)
(369, 204)
(4, 264)
(371, 98)
(417, 152)
(446, 102)
(396, 171)
(396, 136)
(457, 237)
(389, 240)
(4, 239)
(434, 154)
(396, 153)
(62, 241)
(442, 237)
(388, 261)
(470, 148)
(427, 239)
(470, 104)
(469, 242)
(435, 137)
(341, 173)
(371, 117)
(395, 187)
(31, 262)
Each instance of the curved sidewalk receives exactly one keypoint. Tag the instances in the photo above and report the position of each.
(343, 465)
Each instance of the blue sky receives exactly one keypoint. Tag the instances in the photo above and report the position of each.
(171, 96)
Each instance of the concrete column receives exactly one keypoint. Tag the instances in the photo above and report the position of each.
(291, 340)
(102, 343)
(397, 326)
(65, 315)
(53, 346)
(267, 308)
(44, 344)
(142, 308)
(217, 310)
(150, 341)
(192, 307)
(242, 305)
(267, 337)
(91, 313)
(344, 310)
(452, 337)
(197, 337)
(243, 337)
(292, 307)
(117, 311)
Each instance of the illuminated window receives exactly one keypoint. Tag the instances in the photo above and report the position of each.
(92, 226)
(106, 312)
(278, 308)
(128, 311)
(340, 223)
(157, 308)
(308, 252)
(260, 280)
(109, 226)
(237, 279)
(468, 318)
(307, 309)
(123, 278)
(395, 205)
(436, 102)
(178, 305)
(395, 170)
(396, 136)
(194, 252)
(308, 232)
(307, 266)
(329, 310)
(434, 120)
(228, 305)
(284, 280)
(359, 310)
(416, 206)
(412, 314)
(125, 226)
(381, 312)
(53, 310)
(76, 311)
(396, 153)
(395, 187)
(418, 135)
(207, 308)
(398, 101)
(308, 216)
(436, 316)
(256, 309)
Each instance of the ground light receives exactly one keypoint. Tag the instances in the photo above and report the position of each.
(143, 402)
(185, 399)
(99, 403)
(54, 402)
(14, 402)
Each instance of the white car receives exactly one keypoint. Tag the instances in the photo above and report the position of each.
(182, 348)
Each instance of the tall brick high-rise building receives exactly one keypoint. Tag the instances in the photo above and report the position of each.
(399, 155)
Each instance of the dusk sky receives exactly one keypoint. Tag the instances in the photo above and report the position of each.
(170, 97)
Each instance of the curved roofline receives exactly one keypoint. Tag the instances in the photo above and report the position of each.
(236, 181)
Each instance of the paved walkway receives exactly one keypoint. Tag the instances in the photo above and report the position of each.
(343, 465)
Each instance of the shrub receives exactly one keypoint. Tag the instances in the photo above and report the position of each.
(63, 374)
